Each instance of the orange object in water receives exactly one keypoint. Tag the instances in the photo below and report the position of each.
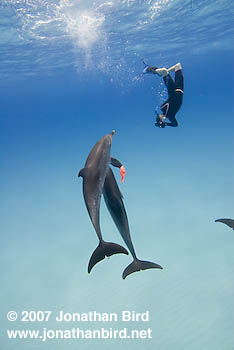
(122, 172)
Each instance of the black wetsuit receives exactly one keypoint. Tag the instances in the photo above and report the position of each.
(175, 97)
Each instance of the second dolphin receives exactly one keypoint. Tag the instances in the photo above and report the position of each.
(115, 205)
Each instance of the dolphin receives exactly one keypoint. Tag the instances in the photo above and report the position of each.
(228, 222)
(94, 174)
(115, 205)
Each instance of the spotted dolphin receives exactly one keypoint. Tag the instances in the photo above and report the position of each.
(94, 174)
(228, 222)
(115, 205)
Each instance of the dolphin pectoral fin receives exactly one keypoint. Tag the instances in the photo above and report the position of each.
(115, 162)
(138, 265)
(82, 172)
(105, 249)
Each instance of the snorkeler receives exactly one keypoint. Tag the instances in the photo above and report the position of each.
(175, 93)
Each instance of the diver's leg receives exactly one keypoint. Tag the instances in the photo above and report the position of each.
(179, 80)
(170, 85)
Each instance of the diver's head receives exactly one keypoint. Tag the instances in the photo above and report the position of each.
(160, 120)
(161, 117)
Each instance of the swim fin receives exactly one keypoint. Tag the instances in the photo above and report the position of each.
(150, 69)
(175, 68)
(162, 72)
(104, 249)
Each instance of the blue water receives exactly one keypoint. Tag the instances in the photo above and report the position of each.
(70, 72)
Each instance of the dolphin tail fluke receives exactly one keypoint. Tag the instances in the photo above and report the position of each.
(138, 265)
(105, 249)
